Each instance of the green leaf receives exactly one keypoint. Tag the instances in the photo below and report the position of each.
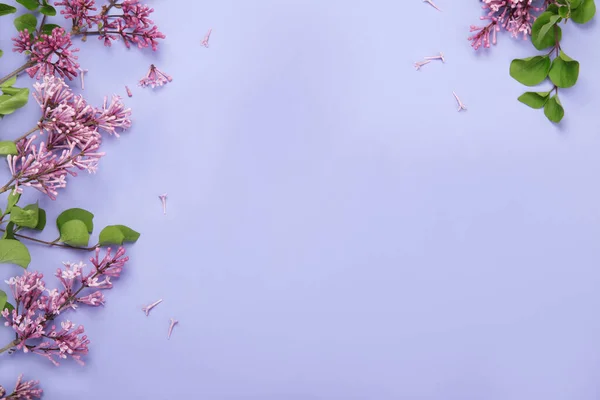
(14, 102)
(585, 12)
(564, 12)
(13, 198)
(3, 298)
(48, 28)
(26, 21)
(575, 4)
(530, 71)
(553, 110)
(9, 233)
(5, 9)
(543, 31)
(117, 234)
(74, 233)
(41, 220)
(26, 217)
(29, 4)
(552, 8)
(8, 147)
(48, 10)
(9, 82)
(534, 99)
(9, 307)
(14, 252)
(564, 71)
(76, 214)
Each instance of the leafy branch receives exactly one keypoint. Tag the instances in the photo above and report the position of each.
(562, 70)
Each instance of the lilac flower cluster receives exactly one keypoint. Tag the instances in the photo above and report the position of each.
(133, 25)
(50, 54)
(73, 129)
(37, 307)
(514, 16)
(27, 390)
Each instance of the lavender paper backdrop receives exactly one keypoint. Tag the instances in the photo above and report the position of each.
(336, 230)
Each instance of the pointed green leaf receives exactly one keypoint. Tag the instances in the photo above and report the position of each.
(585, 12)
(48, 10)
(14, 102)
(48, 28)
(534, 99)
(29, 4)
(8, 147)
(9, 82)
(74, 233)
(553, 110)
(14, 252)
(26, 21)
(530, 71)
(26, 217)
(3, 298)
(564, 71)
(9, 232)
(13, 198)
(117, 234)
(544, 31)
(5, 9)
(76, 214)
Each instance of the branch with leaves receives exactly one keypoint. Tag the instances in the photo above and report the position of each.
(517, 17)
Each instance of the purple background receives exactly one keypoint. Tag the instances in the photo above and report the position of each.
(335, 229)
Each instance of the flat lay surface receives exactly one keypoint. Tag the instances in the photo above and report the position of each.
(335, 229)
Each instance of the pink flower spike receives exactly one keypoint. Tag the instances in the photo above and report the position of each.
(155, 77)
(461, 106)
(171, 326)
(432, 4)
(128, 91)
(151, 306)
(81, 73)
(419, 64)
(206, 38)
(163, 199)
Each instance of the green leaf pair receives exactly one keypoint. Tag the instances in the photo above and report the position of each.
(31, 216)
(76, 224)
(563, 71)
(33, 5)
(12, 98)
(553, 109)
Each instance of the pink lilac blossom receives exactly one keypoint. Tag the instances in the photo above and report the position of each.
(133, 26)
(155, 77)
(37, 307)
(24, 390)
(50, 54)
(73, 129)
(514, 16)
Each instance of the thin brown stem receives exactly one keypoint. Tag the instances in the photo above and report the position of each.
(9, 346)
(17, 71)
(51, 244)
(23, 136)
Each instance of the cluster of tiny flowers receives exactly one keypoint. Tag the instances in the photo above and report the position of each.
(133, 26)
(155, 77)
(27, 390)
(514, 16)
(50, 54)
(73, 129)
(36, 306)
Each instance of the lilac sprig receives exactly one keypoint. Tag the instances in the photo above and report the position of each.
(133, 25)
(36, 307)
(73, 137)
(49, 54)
(24, 390)
(514, 16)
